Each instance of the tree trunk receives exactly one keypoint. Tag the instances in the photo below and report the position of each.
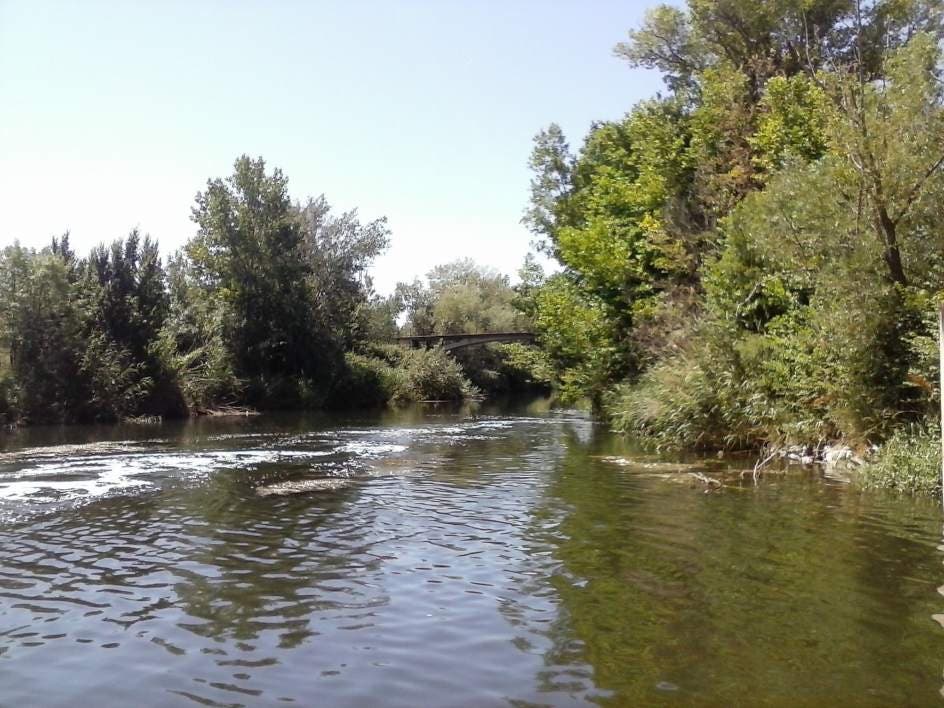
(892, 254)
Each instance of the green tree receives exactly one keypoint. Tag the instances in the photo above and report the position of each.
(249, 255)
(339, 251)
(461, 297)
(44, 332)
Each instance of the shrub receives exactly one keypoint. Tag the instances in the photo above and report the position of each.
(8, 412)
(909, 461)
(506, 368)
(204, 372)
(366, 382)
(116, 385)
(679, 404)
(430, 375)
(391, 374)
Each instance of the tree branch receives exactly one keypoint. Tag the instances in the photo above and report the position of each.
(915, 191)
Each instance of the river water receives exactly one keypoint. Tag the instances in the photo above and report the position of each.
(472, 557)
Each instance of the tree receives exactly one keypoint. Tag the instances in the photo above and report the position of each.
(766, 233)
(339, 251)
(45, 336)
(461, 297)
(893, 135)
(551, 164)
(249, 254)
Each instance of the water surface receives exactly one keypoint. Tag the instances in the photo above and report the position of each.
(457, 558)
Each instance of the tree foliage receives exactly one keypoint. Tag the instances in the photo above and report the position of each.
(258, 308)
(460, 297)
(759, 247)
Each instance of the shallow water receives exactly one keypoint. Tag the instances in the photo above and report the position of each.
(457, 558)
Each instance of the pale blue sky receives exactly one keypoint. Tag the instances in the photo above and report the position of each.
(114, 114)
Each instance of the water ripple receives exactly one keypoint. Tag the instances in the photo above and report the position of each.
(464, 561)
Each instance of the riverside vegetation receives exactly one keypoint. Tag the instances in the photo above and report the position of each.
(268, 306)
(754, 257)
(751, 258)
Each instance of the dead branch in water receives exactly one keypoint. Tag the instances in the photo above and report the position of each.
(710, 482)
(221, 411)
(760, 464)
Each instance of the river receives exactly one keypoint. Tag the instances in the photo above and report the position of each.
(460, 557)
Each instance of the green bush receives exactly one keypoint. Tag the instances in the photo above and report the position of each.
(506, 368)
(390, 354)
(366, 382)
(384, 374)
(909, 461)
(203, 372)
(678, 403)
(429, 375)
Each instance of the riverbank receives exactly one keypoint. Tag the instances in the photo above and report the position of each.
(909, 462)
(377, 375)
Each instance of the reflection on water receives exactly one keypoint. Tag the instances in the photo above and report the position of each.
(471, 558)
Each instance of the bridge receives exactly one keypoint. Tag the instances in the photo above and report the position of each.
(451, 342)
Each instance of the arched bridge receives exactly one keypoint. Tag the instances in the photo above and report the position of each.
(451, 342)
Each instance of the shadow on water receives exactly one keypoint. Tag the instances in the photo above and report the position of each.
(796, 592)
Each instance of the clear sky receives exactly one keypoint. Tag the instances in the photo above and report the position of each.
(114, 114)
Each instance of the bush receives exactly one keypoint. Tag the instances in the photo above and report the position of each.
(430, 375)
(506, 368)
(718, 391)
(391, 374)
(116, 385)
(679, 404)
(909, 461)
(203, 373)
(366, 382)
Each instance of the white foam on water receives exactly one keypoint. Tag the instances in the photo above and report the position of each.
(371, 449)
(59, 451)
(240, 436)
(107, 478)
(95, 475)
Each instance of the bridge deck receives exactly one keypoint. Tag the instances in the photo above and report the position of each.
(450, 342)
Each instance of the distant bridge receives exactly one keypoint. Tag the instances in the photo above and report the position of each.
(451, 342)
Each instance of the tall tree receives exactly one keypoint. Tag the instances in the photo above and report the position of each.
(249, 254)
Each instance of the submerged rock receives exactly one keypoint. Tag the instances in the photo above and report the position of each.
(835, 455)
(302, 486)
(802, 454)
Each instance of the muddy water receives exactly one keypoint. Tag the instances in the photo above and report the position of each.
(448, 558)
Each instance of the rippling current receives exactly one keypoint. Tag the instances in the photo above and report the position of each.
(474, 557)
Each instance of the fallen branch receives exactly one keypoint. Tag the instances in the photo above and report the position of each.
(760, 464)
(706, 480)
(222, 411)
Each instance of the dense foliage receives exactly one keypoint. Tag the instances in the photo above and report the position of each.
(754, 256)
(909, 461)
(262, 307)
(389, 373)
